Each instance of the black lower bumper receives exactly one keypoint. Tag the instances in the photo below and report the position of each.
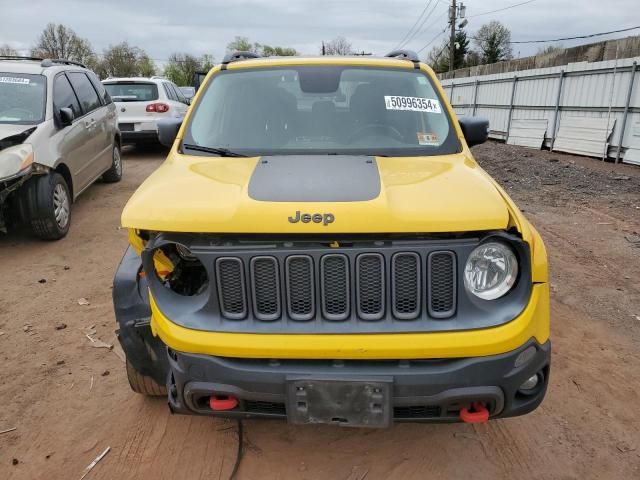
(141, 136)
(421, 390)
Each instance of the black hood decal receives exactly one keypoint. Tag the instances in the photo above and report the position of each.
(315, 178)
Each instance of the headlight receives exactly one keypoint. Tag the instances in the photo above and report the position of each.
(14, 160)
(491, 271)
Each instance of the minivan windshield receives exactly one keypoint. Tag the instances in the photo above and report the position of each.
(321, 109)
(132, 91)
(22, 98)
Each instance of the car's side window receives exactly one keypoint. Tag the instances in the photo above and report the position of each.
(102, 92)
(169, 91)
(87, 95)
(64, 97)
(180, 95)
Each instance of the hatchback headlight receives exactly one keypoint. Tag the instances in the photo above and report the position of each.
(491, 271)
(16, 159)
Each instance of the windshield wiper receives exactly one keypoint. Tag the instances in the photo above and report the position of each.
(223, 152)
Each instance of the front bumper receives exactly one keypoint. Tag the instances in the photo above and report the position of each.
(421, 390)
(428, 380)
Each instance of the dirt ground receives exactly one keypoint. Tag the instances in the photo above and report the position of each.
(69, 399)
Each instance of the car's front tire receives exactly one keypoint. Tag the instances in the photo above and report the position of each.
(142, 384)
(49, 206)
(114, 174)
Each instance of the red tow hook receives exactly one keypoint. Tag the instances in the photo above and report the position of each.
(478, 413)
(220, 403)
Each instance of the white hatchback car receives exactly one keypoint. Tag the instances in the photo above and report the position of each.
(141, 102)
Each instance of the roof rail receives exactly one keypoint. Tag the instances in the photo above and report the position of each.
(18, 57)
(404, 55)
(64, 61)
(235, 56)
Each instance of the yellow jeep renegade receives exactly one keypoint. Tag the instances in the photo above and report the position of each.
(321, 246)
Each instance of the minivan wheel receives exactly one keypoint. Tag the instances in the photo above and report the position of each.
(49, 206)
(114, 174)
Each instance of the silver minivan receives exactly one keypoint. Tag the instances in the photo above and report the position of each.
(58, 134)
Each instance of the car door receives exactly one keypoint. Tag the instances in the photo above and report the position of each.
(94, 119)
(109, 127)
(72, 141)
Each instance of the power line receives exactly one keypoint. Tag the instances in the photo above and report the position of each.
(501, 9)
(400, 43)
(432, 40)
(427, 28)
(420, 28)
(578, 37)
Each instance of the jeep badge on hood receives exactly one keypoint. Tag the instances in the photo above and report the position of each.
(324, 218)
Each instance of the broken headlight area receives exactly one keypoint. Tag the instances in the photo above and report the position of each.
(15, 162)
(179, 270)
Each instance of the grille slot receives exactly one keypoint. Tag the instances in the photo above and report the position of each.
(265, 287)
(334, 272)
(232, 292)
(370, 286)
(442, 284)
(405, 285)
(300, 287)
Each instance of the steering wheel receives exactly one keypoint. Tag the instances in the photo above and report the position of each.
(373, 128)
(28, 116)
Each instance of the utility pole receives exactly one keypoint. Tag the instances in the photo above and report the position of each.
(455, 12)
(452, 37)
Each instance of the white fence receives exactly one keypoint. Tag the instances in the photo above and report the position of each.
(566, 97)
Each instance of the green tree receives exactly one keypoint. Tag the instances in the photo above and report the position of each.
(207, 62)
(60, 41)
(181, 67)
(493, 40)
(462, 49)
(269, 51)
(146, 66)
(7, 50)
(438, 57)
(124, 60)
(242, 44)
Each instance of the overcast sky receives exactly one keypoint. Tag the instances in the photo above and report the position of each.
(206, 26)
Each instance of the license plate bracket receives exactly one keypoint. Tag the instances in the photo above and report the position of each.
(347, 403)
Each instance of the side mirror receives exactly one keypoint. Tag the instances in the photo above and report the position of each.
(475, 129)
(168, 130)
(66, 117)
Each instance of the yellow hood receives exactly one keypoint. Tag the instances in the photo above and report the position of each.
(417, 194)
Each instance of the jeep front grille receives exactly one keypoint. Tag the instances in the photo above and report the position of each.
(342, 284)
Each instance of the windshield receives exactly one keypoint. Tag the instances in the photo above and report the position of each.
(22, 98)
(324, 110)
(132, 91)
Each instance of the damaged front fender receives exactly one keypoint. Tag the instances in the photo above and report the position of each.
(145, 352)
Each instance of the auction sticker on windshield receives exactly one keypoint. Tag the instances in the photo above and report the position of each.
(412, 104)
(24, 81)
